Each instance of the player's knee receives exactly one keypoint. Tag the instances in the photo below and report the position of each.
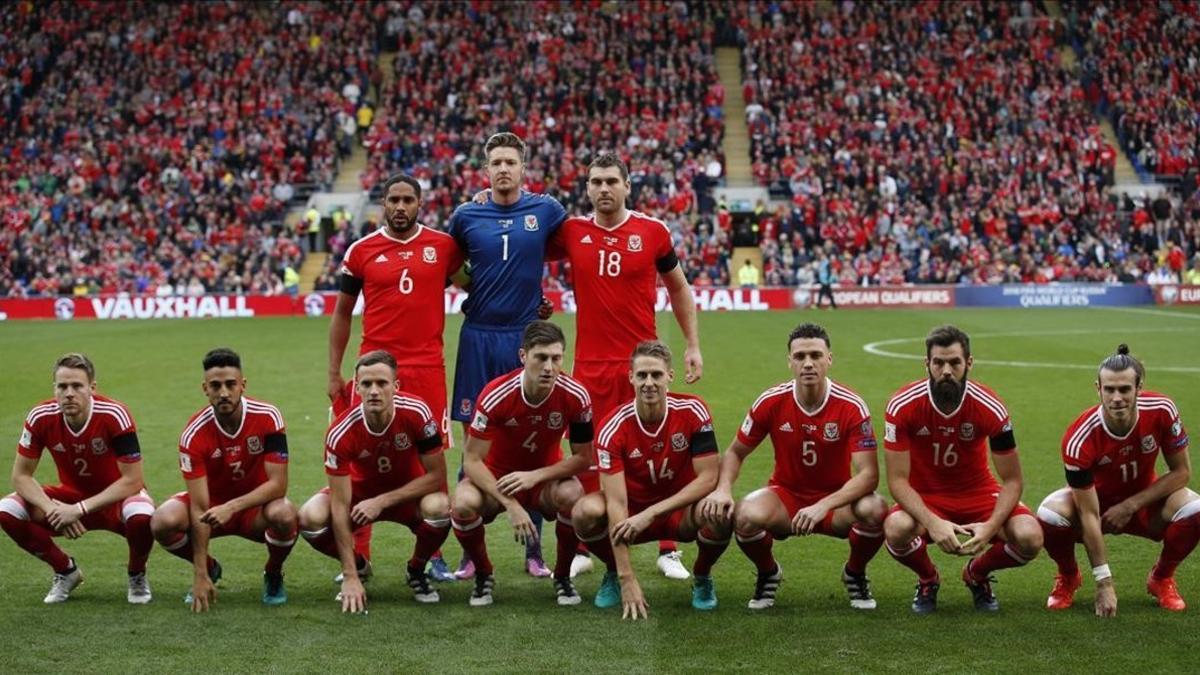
(314, 514)
(280, 513)
(1027, 538)
(168, 520)
(588, 513)
(12, 508)
(749, 517)
(466, 504)
(566, 494)
(870, 510)
(435, 506)
(899, 528)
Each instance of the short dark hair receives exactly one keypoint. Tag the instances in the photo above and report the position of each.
(539, 333)
(401, 178)
(806, 331)
(374, 358)
(606, 160)
(946, 336)
(653, 348)
(504, 139)
(1122, 360)
(222, 357)
(76, 361)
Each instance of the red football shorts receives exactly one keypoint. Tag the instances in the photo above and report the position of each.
(793, 502)
(967, 507)
(1145, 523)
(427, 382)
(607, 383)
(241, 524)
(663, 527)
(111, 518)
(406, 513)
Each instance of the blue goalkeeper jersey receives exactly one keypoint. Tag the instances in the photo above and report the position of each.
(506, 248)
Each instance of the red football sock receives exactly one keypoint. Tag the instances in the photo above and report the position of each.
(181, 547)
(278, 549)
(141, 542)
(915, 557)
(758, 549)
(1000, 556)
(362, 540)
(711, 547)
(666, 546)
(470, 536)
(601, 547)
(568, 543)
(1060, 546)
(324, 542)
(1179, 539)
(864, 544)
(430, 537)
(36, 539)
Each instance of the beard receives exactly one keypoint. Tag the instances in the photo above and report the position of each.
(947, 394)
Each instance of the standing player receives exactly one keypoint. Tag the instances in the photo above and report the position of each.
(1109, 453)
(819, 429)
(937, 470)
(384, 461)
(504, 239)
(513, 460)
(94, 444)
(617, 256)
(401, 270)
(233, 455)
(658, 458)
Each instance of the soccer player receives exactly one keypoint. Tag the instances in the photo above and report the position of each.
(384, 462)
(504, 239)
(934, 434)
(819, 430)
(401, 270)
(1110, 452)
(233, 454)
(658, 458)
(513, 461)
(617, 256)
(93, 442)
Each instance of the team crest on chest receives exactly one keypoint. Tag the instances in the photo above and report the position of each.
(254, 445)
(531, 223)
(429, 254)
(1148, 444)
(635, 242)
(966, 431)
(402, 441)
(832, 433)
(678, 442)
(555, 420)
(98, 446)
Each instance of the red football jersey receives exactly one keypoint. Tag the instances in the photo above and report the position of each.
(381, 462)
(812, 452)
(947, 452)
(526, 437)
(615, 274)
(1122, 466)
(657, 462)
(403, 286)
(87, 460)
(233, 463)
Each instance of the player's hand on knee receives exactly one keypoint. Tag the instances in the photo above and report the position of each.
(633, 601)
(717, 507)
(1106, 599)
(517, 481)
(204, 594)
(354, 596)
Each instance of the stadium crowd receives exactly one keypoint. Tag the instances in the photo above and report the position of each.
(909, 142)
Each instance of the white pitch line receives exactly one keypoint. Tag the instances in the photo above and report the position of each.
(1153, 312)
(876, 349)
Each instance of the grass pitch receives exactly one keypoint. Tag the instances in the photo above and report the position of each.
(1040, 361)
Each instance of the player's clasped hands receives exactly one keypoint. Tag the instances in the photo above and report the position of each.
(945, 534)
(981, 538)
(66, 519)
(354, 596)
(633, 601)
(517, 481)
(717, 507)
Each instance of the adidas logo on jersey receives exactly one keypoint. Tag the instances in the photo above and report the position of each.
(364, 454)
(381, 258)
(923, 432)
(511, 423)
(1104, 460)
(587, 239)
(635, 454)
(786, 426)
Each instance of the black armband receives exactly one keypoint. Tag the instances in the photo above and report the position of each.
(429, 444)
(581, 432)
(1079, 478)
(703, 442)
(276, 444)
(350, 284)
(1003, 441)
(126, 446)
(667, 263)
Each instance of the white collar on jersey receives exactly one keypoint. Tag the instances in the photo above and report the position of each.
(828, 388)
(240, 424)
(384, 231)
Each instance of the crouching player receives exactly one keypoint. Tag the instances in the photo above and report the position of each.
(94, 445)
(384, 462)
(657, 457)
(819, 429)
(233, 455)
(1109, 453)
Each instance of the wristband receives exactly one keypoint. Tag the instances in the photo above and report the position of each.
(1101, 572)
(82, 509)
